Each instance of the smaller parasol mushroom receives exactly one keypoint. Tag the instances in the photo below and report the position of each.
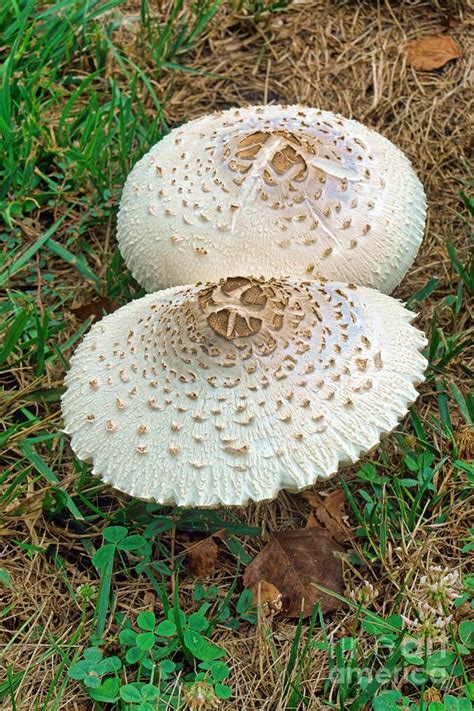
(272, 190)
(226, 392)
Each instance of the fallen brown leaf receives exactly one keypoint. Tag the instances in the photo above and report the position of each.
(329, 513)
(149, 600)
(431, 52)
(266, 596)
(431, 694)
(463, 612)
(96, 307)
(295, 562)
(465, 442)
(452, 22)
(201, 557)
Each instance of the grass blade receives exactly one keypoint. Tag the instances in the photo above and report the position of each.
(14, 333)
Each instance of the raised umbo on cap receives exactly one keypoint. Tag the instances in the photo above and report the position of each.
(275, 191)
(228, 392)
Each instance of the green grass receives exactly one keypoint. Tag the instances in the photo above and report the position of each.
(78, 106)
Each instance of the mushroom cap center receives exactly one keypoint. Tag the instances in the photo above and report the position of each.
(287, 165)
(234, 308)
(240, 307)
(242, 327)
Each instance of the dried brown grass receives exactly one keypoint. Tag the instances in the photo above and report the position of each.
(342, 56)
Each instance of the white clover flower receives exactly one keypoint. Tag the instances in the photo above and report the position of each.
(436, 592)
(200, 696)
(364, 594)
(430, 624)
(441, 587)
(87, 591)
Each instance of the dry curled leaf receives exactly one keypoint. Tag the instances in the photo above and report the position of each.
(463, 612)
(97, 307)
(267, 597)
(149, 600)
(328, 513)
(431, 52)
(201, 557)
(296, 562)
(465, 442)
(431, 694)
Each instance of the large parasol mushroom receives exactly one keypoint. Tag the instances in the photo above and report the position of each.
(276, 191)
(226, 392)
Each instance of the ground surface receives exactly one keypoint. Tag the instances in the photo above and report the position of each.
(86, 90)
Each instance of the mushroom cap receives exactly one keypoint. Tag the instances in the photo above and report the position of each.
(271, 190)
(228, 392)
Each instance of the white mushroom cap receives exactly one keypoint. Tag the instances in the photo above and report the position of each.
(275, 191)
(221, 393)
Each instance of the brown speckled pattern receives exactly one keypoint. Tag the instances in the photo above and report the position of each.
(273, 191)
(219, 393)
